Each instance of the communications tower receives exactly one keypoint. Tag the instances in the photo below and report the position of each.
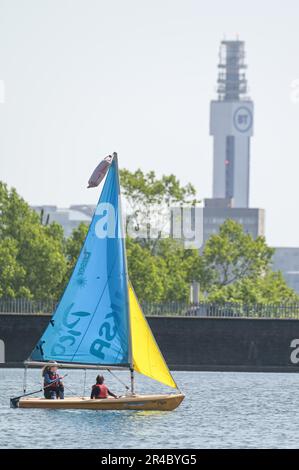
(231, 125)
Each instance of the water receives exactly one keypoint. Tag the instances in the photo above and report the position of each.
(221, 410)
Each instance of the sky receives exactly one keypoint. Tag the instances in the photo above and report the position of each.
(81, 79)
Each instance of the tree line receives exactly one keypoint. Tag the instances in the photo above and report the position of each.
(36, 259)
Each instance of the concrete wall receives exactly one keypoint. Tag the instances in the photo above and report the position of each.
(187, 343)
(228, 344)
(20, 333)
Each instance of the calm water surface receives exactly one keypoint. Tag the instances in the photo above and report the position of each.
(221, 410)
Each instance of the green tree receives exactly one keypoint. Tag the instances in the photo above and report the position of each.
(146, 189)
(163, 276)
(12, 275)
(36, 260)
(42, 257)
(149, 199)
(37, 248)
(268, 289)
(232, 255)
(146, 272)
(235, 267)
(180, 264)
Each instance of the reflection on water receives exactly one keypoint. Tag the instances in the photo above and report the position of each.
(229, 410)
(148, 413)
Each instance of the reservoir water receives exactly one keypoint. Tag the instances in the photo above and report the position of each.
(221, 410)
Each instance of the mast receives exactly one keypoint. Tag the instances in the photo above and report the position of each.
(115, 157)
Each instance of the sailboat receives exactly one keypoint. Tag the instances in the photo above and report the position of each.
(98, 323)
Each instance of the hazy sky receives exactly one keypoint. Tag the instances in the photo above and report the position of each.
(84, 78)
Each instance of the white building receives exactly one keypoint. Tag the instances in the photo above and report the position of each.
(231, 125)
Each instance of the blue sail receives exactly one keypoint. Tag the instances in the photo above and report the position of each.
(91, 322)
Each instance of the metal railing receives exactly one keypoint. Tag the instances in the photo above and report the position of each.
(26, 306)
(182, 309)
(223, 310)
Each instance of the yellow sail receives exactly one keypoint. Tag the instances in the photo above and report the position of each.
(147, 357)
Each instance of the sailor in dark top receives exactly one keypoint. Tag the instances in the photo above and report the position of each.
(53, 383)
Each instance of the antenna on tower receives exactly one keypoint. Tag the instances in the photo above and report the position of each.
(232, 83)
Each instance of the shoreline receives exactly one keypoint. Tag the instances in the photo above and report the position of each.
(199, 368)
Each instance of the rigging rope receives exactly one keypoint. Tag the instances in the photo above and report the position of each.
(72, 391)
(25, 380)
(117, 378)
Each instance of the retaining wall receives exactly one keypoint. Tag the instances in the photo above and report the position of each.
(188, 343)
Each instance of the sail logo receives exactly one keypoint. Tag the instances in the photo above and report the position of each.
(107, 333)
(84, 262)
(81, 279)
(73, 324)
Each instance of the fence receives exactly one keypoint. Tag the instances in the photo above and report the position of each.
(183, 309)
(223, 310)
(27, 306)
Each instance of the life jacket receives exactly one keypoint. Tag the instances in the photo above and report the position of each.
(102, 389)
(52, 376)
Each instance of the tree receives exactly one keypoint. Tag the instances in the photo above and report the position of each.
(146, 188)
(36, 260)
(146, 272)
(232, 255)
(149, 199)
(235, 267)
(163, 276)
(268, 289)
(37, 249)
(42, 257)
(179, 263)
(12, 275)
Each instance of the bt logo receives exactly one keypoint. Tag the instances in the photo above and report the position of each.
(243, 119)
